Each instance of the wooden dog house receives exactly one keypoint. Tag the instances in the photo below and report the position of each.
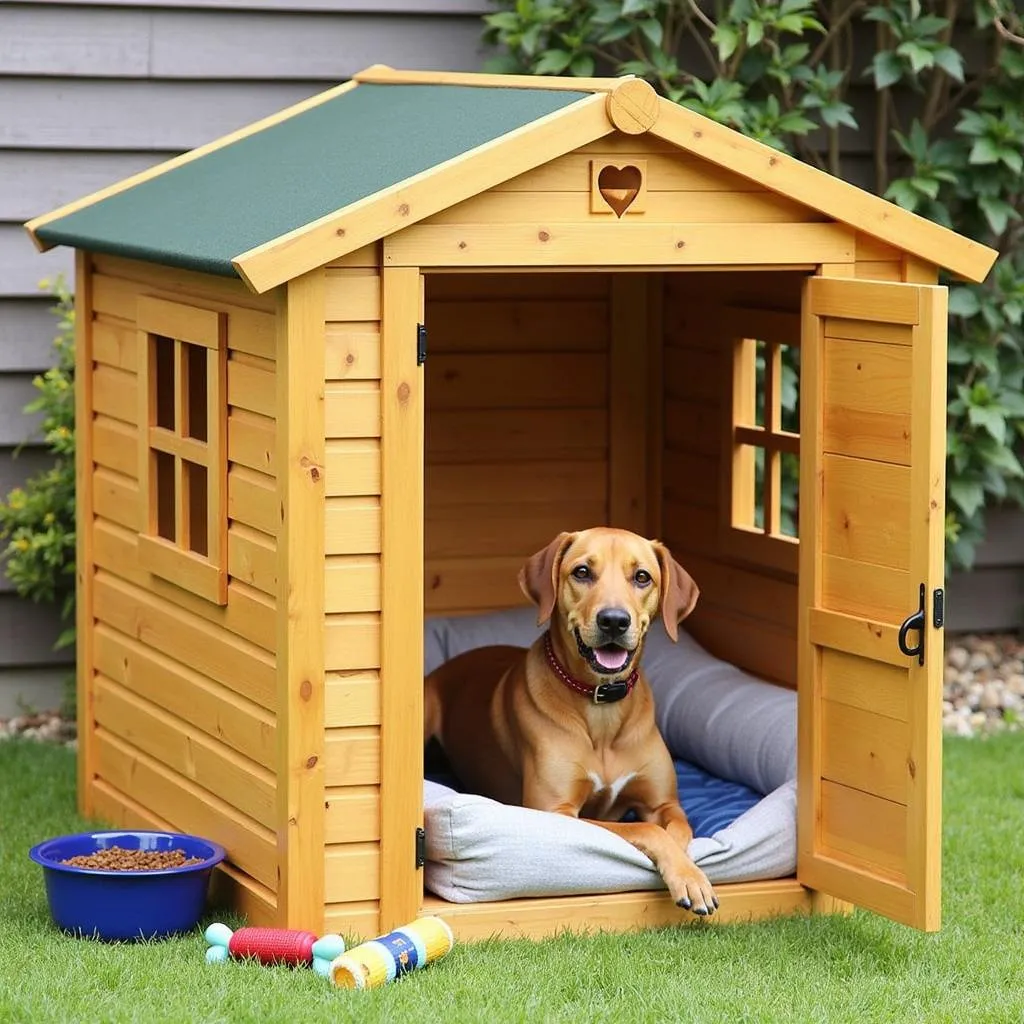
(274, 487)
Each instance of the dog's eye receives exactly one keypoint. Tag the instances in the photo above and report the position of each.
(642, 578)
(581, 572)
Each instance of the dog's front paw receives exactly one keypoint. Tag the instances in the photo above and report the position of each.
(696, 893)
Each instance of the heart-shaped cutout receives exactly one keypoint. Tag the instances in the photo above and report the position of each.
(619, 186)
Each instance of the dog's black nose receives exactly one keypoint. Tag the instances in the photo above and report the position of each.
(613, 621)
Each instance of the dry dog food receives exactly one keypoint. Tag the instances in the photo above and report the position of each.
(115, 858)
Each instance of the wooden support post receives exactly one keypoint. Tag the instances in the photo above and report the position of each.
(84, 622)
(656, 284)
(300, 602)
(628, 395)
(401, 637)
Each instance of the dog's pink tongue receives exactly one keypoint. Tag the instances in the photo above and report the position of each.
(611, 658)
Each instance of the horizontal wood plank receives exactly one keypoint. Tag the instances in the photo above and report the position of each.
(864, 684)
(865, 751)
(204, 703)
(352, 872)
(865, 511)
(495, 435)
(352, 814)
(352, 641)
(352, 756)
(352, 584)
(156, 622)
(352, 351)
(352, 467)
(619, 244)
(248, 612)
(351, 698)
(352, 409)
(188, 807)
(252, 441)
(353, 526)
(242, 783)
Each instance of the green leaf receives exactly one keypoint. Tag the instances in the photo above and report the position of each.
(755, 32)
(1012, 158)
(1003, 458)
(887, 69)
(631, 7)
(726, 38)
(963, 302)
(653, 30)
(984, 151)
(989, 419)
(582, 65)
(928, 186)
(552, 62)
(507, 20)
(919, 57)
(951, 62)
(967, 494)
(998, 213)
(903, 194)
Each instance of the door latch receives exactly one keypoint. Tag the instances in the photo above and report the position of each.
(914, 623)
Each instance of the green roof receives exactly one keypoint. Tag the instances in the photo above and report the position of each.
(203, 213)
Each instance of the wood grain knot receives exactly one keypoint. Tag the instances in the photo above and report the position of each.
(544, 236)
(911, 767)
(311, 761)
(403, 210)
(403, 393)
(462, 245)
(310, 467)
(340, 232)
(305, 689)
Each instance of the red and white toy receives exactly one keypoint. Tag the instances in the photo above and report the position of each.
(273, 946)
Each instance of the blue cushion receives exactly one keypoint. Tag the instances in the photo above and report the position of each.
(710, 803)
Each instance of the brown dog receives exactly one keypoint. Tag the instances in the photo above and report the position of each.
(568, 725)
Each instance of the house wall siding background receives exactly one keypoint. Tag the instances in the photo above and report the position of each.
(91, 92)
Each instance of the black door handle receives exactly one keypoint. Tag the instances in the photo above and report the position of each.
(911, 623)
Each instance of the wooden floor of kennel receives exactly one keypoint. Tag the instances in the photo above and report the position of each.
(559, 390)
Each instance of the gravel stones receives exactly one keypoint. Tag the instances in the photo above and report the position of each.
(44, 727)
(983, 684)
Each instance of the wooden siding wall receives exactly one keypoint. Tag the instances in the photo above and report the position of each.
(93, 91)
(352, 409)
(746, 614)
(517, 383)
(191, 682)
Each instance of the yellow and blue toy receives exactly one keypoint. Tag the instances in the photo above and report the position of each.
(409, 948)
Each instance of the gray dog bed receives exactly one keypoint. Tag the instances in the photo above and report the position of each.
(724, 721)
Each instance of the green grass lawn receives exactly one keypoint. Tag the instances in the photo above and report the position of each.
(859, 968)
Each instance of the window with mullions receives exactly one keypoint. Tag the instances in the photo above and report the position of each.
(183, 457)
(764, 445)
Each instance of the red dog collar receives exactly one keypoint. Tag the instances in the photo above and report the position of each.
(603, 693)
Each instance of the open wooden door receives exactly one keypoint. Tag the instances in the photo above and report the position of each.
(872, 478)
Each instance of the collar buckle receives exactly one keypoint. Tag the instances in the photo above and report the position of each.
(609, 693)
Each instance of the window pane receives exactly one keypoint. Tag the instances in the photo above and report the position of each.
(198, 499)
(165, 496)
(163, 367)
(762, 354)
(746, 485)
(790, 388)
(195, 375)
(758, 500)
(789, 524)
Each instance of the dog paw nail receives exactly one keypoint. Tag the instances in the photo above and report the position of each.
(684, 903)
(702, 911)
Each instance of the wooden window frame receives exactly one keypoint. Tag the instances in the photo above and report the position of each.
(766, 545)
(203, 575)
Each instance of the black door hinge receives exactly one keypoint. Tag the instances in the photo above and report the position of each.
(421, 847)
(938, 608)
(421, 344)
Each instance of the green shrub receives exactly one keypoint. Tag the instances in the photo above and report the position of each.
(951, 149)
(37, 521)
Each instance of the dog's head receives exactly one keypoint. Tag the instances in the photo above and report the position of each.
(602, 588)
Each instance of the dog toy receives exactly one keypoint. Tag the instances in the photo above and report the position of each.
(273, 946)
(391, 956)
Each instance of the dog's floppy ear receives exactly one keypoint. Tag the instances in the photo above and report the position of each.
(678, 591)
(539, 577)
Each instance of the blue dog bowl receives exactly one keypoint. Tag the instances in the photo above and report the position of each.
(113, 905)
